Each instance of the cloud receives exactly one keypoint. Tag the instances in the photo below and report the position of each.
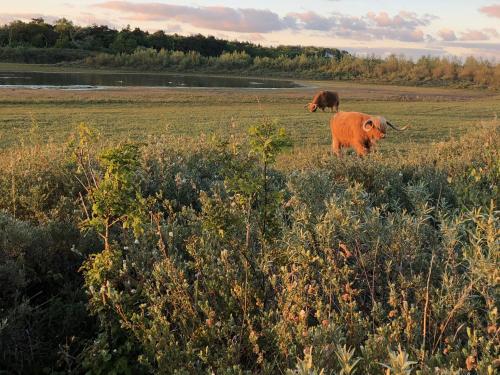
(447, 35)
(478, 45)
(482, 49)
(256, 37)
(311, 21)
(403, 19)
(474, 35)
(491, 11)
(210, 17)
(404, 26)
(8, 17)
(409, 52)
(493, 32)
(86, 18)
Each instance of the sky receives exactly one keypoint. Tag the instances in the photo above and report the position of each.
(412, 28)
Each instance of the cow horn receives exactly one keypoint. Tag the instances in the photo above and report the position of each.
(365, 128)
(399, 129)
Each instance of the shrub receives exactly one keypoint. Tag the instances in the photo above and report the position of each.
(213, 260)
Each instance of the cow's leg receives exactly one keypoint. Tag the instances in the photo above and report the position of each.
(361, 149)
(336, 148)
(336, 108)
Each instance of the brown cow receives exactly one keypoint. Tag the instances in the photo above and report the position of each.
(357, 130)
(324, 99)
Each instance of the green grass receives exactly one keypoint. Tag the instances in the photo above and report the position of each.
(434, 114)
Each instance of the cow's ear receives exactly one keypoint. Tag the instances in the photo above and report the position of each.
(368, 125)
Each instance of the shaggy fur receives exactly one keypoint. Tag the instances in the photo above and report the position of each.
(357, 130)
(324, 99)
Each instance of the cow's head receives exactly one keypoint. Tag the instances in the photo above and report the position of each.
(312, 107)
(376, 127)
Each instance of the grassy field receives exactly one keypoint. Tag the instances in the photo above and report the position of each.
(433, 114)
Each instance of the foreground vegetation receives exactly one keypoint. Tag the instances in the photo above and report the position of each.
(195, 257)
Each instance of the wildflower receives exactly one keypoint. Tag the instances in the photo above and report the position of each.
(470, 363)
(302, 314)
(492, 329)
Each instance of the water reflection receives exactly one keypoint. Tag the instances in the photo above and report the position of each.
(99, 80)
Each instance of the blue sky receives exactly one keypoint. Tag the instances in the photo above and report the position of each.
(413, 28)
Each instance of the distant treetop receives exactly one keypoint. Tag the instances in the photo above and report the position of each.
(65, 34)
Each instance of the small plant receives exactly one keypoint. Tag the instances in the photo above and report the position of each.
(115, 198)
(306, 366)
(347, 361)
(399, 363)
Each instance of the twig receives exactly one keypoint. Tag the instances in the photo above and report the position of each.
(426, 307)
(84, 206)
(450, 315)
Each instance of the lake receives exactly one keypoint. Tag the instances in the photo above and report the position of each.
(89, 81)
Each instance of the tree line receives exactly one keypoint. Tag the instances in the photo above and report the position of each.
(432, 71)
(64, 34)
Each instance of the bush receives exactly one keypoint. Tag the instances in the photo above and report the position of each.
(212, 260)
(31, 55)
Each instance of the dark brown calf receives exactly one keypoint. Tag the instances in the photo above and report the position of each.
(324, 99)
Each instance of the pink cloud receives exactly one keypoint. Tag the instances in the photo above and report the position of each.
(404, 26)
(484, 34)
(8, 17)
(210, 17)
(491, 11)
(256, 37)
(474, 35)
(402, 19)
(447, 35)
(311, 21)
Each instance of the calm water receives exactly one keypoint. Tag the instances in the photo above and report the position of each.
(84, 81)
